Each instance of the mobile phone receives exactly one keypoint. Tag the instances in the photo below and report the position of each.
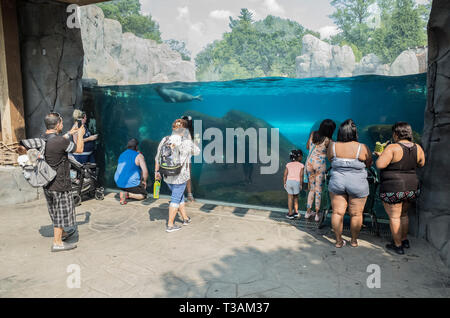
(79, 123)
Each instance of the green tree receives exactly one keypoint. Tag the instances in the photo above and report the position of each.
(253, 49)
(245, 18)
(403, 25)
(404, 29)
(424, 12)
(351, 18)
(180, 47)
(127, 12)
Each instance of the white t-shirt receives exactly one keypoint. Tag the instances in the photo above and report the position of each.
(187, 149)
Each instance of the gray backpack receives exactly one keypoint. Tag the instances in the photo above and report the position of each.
(37, 171)
(169, 159)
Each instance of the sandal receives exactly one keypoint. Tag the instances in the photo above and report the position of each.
(123, 200)
(343, 243)
(354, 243)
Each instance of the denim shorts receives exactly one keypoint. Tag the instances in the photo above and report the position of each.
(293, 187)
(354, 185)
(177, 196)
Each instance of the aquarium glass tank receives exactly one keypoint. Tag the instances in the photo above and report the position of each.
(294, 106)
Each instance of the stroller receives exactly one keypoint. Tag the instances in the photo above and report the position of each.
(373, 179)
(84, 181)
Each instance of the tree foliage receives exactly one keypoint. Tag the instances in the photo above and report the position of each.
(404, 29)
(180, 47)
(402, 26)
(351, 17)
(127, 12)
(252, 49)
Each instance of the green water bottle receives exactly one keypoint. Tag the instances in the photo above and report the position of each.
(379, 147)
(156, 187)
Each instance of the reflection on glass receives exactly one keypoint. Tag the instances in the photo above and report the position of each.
(294, 106)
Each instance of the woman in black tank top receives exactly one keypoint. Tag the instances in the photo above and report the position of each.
(399, 182)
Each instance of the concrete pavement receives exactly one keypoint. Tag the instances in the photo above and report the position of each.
(124, 251)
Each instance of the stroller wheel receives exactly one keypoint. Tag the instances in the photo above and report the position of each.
(77, 199)
(99, 195)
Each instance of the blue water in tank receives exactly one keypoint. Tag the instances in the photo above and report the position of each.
(294, 106)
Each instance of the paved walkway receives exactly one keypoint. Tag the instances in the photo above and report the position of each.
(124, 251)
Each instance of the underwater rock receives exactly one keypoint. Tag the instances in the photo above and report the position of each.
(116, 58)
(235, 182)
(406, 63)
(383, 133)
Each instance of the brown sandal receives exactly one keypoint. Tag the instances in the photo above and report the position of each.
(354, 243)
(341, 245)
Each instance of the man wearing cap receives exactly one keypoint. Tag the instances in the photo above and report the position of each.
(131, 174)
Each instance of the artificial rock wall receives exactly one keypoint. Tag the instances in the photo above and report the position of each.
(320, 59)
(434, 203)
(52, 63)
(116, 58)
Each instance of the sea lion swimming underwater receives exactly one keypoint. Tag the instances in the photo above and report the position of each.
(173, 96)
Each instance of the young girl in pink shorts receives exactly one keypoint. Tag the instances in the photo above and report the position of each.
(293, 175)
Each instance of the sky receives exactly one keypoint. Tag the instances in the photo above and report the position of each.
(199, 22)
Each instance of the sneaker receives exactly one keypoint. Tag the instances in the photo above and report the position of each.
(68, 234)
(173, 228)
(186, 222)
(63, 247)
(290, 216)
(317, 218)
(405, 244)
(296, 215)
(394, 248)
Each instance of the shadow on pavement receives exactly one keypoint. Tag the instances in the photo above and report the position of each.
(47, 230)
(162, 213)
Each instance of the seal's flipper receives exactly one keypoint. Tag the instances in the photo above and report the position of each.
(199, 97)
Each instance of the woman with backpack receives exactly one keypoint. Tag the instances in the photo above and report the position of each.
(172, 161)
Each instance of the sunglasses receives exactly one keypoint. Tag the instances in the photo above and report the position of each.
(56, 114)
